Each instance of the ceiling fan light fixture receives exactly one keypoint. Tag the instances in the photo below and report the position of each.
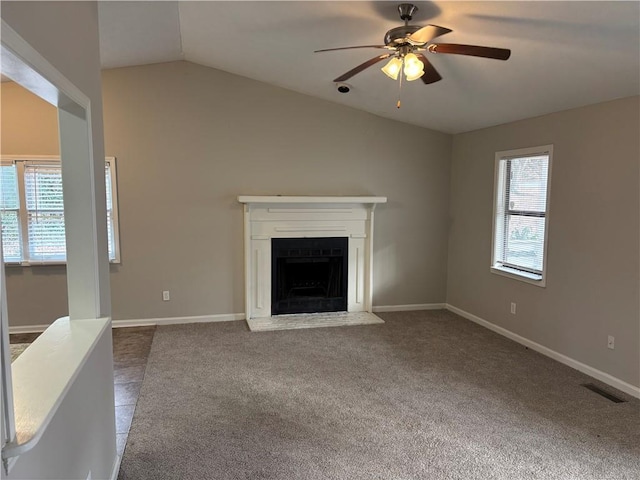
(392, 68)
(415, 76)
(413, 67)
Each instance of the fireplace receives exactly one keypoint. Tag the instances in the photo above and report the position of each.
(309, 275)
(308, 221)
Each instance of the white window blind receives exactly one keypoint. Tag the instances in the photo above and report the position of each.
(32, 211)
(45, 212)
(519, 240)
(9, 213)
(111, 234)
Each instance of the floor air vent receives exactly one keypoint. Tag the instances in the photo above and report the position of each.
(601, 392)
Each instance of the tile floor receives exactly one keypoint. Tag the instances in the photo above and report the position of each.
(131, 348)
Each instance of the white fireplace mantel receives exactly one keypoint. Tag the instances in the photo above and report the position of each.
(279, 216)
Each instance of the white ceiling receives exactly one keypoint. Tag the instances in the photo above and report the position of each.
(564, 54)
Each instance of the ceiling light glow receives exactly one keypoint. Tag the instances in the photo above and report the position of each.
(413, 67)
(392, 69)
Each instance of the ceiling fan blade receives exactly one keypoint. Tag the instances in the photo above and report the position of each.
(430, 75)
(349, 48)
(361, 67)
(472, 50)
(426, 34)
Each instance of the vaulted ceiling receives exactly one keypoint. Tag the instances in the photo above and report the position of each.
(564, 54)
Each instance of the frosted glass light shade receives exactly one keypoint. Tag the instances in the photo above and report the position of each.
(392, 69)
(414, 75)
(413, 67)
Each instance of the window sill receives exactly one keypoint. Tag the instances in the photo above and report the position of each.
(47, 264)
(531, 278)
(34, 264)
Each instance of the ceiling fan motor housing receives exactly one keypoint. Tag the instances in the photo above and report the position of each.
(398, 36)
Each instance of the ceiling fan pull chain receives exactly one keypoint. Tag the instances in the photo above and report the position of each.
(399, 89)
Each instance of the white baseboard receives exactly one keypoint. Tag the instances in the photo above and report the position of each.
(143, 322)
(224, 317)
(28, 329)
(116, 468)
(593, 372)
(409, 308)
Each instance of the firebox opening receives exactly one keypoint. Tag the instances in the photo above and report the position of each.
(309, 275)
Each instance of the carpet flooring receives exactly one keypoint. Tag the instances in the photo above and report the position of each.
(17, 349)
(426, 395)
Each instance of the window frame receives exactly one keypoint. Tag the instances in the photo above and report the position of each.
(21, 161)
(502, 210)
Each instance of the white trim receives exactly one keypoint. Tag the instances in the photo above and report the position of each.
(593, 372)
(116, 468)
(248, 266)
(115, 220)
(309, 199)
(7, 159)
(522, 276)
(221, 317)
(38, 69)
(409, 307)
(368, 280)
(27, 329)
(143, 322)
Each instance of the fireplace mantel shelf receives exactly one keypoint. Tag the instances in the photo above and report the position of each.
(310, 199)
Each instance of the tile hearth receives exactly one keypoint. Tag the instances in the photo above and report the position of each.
(312, 320)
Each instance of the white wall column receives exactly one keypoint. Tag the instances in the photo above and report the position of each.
(83, 180)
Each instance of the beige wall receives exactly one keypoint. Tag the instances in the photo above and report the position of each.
(189, 139)
(593, 257)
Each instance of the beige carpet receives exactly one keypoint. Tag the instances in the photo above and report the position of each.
(17, 349)
(425, 395)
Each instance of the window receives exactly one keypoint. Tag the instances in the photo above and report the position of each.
(32, 211)
(521, 213)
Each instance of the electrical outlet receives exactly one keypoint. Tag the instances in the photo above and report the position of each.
(513, 308)
(611, 342)
(165, 295)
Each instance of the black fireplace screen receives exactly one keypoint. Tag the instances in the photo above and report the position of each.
(308, 275)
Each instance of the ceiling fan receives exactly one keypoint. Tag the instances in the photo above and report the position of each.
(406, 44)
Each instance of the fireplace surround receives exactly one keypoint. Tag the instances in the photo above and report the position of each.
(266, 218)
